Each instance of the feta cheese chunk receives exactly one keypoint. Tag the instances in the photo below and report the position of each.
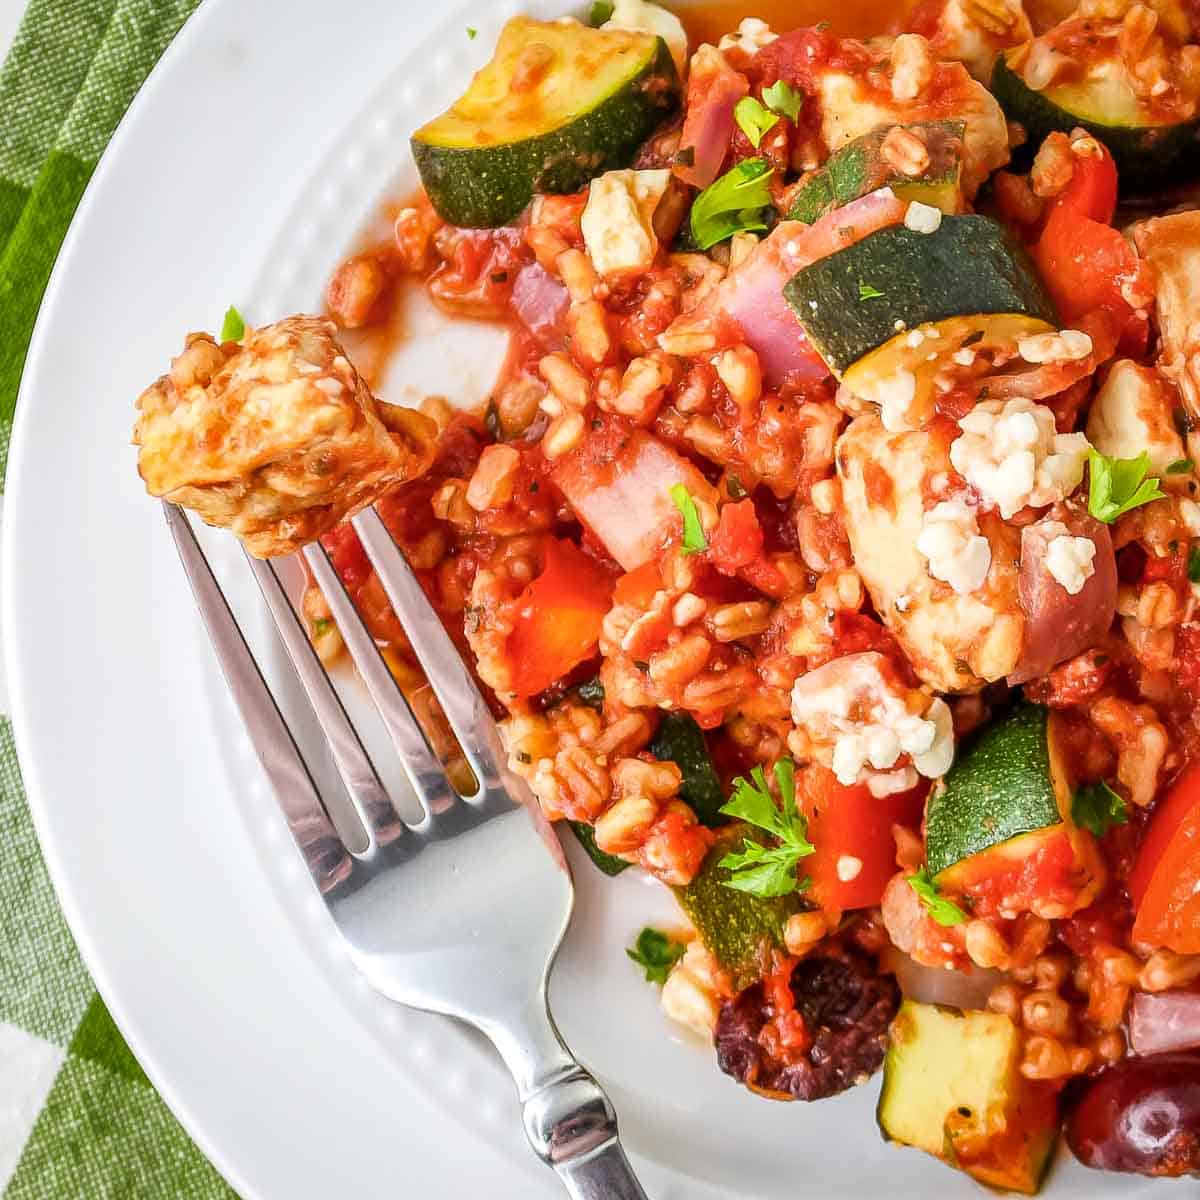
(895, 395)
(861, 721)
(752, 35)
(958, 554)
(1069, 559)
(642, 17)
(1012, 455)
(618, 220)
(1068, 345)
(923, 218)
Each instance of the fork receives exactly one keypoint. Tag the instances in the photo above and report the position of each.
(460, 913)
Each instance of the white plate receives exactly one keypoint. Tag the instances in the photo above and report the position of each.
(281, 125)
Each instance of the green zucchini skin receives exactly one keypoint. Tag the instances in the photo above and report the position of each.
(610, 864)
(681, 741)
(737, 928)
(968, 265)
(1147, 156)
(1002, 785)
(485, 186)
(858, 168)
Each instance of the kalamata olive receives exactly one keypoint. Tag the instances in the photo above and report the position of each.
(1143, 1116)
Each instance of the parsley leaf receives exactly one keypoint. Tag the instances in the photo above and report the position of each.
(1193, 567)
(693, 531)
(943, 911)
(472, 32)
(867, 292)
(656, 954)
(1098, 808)
(1116, 485)
(601, 11)
(233, 328)
(1181, 466)
(321, 626)
(732, 204)
(768, 870)
(754, 120)
(782, 98)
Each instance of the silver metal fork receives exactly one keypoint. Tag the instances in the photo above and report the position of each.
(461, 913)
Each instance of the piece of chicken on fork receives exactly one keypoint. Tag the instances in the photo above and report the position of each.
(276, 437)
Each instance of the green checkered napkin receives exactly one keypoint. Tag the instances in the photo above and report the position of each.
(78, 1118)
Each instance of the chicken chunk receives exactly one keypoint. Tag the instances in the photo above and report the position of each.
(956, 641)
(851, 107)
(1133, 413)
(276, 438)
(1171, 245)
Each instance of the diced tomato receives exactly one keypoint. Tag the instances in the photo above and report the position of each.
(1168, 912)
(558, 618)
(349, 558)
(1083, 260)
(855, 852)
(638, 587)
(1092, 192)
(738, 540)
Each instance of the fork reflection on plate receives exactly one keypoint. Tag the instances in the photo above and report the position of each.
(460, 913)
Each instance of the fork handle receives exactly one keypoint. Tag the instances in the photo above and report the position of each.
(573, 1127)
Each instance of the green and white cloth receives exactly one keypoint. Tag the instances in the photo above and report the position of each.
(78, 1118)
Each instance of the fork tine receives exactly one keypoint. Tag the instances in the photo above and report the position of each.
(372, 805)
(464, 707)
(421, 765)
(286, 771)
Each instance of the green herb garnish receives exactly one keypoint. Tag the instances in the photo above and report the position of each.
(693, 531)
(768, 870)
(943, 911)
(233, 328)
(782, 98)
(1117, 485)
(754, 120)
(867, 292)
(472, 33)
(1181, 466)
(601, 11)
(732, 204)
(656, 954)
(1098, 808)
(1193, 567)
(321, 626)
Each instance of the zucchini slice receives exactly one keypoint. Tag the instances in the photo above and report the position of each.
(737, 928)
(681, 741)
(952, 1086)
(1147, 155)
(859, 167)
(1006, 782)
(856, 299)
(559, 104)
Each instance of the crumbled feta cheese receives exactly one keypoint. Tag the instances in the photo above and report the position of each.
(1012, 455)
(958, 554)
(894, 394)
(852, 705)
(618, 220)
(848, 867)
(964, 357)
(752, 35)
(1068, 345)
(914, 339)
(1069, 559)
(643, 17)
(902, 603)
(923, 218)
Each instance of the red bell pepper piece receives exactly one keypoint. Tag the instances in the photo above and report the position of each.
(558, 618)
(1165, 881)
